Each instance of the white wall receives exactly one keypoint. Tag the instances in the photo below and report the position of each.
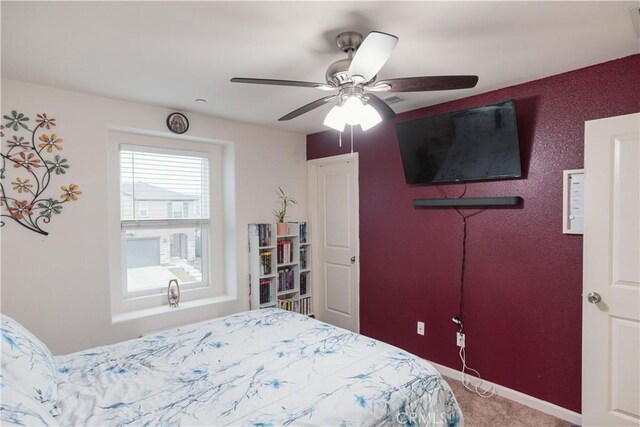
(57, 286)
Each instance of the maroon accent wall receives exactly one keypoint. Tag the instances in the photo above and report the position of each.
(523, 315)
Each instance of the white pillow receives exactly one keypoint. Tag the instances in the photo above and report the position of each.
(19, 409)
(27, 361)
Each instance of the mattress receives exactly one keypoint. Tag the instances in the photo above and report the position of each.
(260, 368)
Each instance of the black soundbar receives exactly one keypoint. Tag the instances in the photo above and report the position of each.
(469, 201)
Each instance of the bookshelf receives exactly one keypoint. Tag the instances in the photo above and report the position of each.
(280, 268)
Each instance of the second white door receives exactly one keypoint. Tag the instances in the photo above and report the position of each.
(611, 283)
(336, 204)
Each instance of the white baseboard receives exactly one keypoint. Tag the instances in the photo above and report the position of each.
(516, 396)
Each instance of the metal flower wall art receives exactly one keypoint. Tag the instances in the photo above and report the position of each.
(30, 159)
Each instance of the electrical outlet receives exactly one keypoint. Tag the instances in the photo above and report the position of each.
(460, 339)
(420, 328)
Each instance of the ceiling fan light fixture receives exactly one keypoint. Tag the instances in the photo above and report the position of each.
(369, 117)
(335, 119)
(352, 110)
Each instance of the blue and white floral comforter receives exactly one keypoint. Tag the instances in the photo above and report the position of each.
(262, 368)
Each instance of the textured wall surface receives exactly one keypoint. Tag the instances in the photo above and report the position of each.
(524, 277)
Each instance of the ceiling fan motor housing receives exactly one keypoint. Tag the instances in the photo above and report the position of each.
(348, 42)
(336, 74)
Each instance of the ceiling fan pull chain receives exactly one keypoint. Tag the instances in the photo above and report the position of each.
(351, 140)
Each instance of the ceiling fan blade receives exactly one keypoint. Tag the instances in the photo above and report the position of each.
(305, 109)
(373, 53)
(426, 83)
(295, 83)
(381, 107)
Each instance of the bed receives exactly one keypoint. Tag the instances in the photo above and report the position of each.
(259, 368)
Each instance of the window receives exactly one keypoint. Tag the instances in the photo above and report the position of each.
(165, 219)
(178, 209)
(145, 252)
(143, 209)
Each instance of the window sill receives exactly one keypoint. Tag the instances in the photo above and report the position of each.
(165, 309)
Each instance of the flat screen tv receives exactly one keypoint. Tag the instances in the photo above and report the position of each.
(480, 143)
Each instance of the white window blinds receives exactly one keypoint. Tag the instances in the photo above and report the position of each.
(163, 184)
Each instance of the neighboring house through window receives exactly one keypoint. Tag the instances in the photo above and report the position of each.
(161, 190)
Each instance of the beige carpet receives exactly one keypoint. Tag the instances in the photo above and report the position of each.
(498, 411)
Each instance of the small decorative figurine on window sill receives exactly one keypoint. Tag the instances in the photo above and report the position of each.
(173, 293)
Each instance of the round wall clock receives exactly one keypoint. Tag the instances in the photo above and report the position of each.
(177, 123)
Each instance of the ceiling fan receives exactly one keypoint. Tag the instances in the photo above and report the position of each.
(354, 78)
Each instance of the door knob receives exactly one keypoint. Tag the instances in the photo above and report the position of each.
(594, 297)
(353, 260)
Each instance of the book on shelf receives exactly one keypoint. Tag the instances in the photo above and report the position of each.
(285, 251)
(265, 263)
(303, 232)
(286, 279)
(303, 284)
(288, 304)
(265, 291)
(264, 234)
(303, 257)
(302, 306)
(305, 306)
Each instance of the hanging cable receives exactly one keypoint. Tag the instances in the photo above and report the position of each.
(476, 386)
(459, 318)
(464, 217)
(470, 385)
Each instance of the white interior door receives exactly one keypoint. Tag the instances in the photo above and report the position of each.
(334, 195)
(611, 283)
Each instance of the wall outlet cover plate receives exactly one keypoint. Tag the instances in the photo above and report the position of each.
(460, 339)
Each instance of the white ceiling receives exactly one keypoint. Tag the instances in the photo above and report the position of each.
(170, 53)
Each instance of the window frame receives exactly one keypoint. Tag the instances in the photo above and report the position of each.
(122, 301)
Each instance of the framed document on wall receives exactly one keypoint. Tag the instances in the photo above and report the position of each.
(573, 201)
